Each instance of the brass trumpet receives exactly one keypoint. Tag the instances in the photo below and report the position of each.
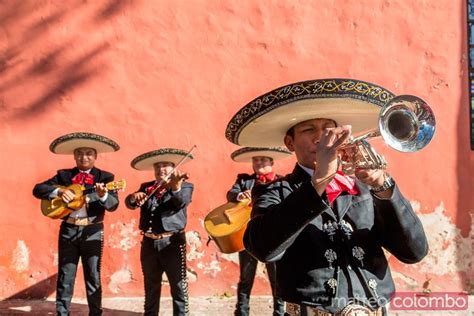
(406, 123)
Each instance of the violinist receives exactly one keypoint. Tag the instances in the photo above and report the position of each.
(262, 165)
(163, 203)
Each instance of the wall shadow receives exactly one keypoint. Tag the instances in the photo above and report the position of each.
(32, 301)
(26, 62)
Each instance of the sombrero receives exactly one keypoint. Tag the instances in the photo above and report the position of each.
(147, 160)
(68, 143)
(264, 121)
(245, 154)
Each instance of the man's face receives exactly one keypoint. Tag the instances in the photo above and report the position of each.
(262, 165)
(85, 158)
(306, 135)
(162, 169)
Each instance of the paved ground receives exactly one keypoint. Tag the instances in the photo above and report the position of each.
(260, 306)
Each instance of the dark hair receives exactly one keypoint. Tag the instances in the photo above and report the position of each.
(291, 132)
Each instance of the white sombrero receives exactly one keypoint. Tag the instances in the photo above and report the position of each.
(66, 144)
(147, 160)
(264, 121)
(245, 154)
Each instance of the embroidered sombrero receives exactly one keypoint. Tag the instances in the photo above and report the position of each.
(264, 121)
(147, 160)
(245, 154)
(68, 143)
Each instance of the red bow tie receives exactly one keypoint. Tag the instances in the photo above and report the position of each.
(265, 178)
(340, 183)
(159, 193)
(83, 178)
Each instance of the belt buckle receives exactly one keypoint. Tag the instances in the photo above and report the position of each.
(356, 310)
(81, 221)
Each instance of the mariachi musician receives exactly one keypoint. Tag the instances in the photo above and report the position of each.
(163, 205)
(81, 234)
(325, 230)
(262, 165)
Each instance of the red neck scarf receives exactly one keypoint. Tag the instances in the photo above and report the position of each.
(340, 183)
(265, 178)
(159, 193)
(83, 178)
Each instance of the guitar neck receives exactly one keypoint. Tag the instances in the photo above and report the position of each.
(88, 191)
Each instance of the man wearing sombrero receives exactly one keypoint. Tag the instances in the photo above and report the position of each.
(326, 231)
(163, 205)
(262, 165)
(81, 234)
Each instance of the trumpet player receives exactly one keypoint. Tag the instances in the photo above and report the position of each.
(325, 230)
(163, 205)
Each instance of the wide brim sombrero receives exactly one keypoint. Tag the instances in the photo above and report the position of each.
(147, 160)
(245, 154)
(264, 121)
(66, 144)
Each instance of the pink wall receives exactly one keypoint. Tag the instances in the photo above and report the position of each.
(153, 74)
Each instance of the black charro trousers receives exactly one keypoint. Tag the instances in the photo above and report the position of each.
(248, 269)
(166, 255)
(85, 242)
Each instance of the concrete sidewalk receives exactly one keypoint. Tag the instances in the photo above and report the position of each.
(260, 306)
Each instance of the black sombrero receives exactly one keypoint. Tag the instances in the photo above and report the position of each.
(264, 121)
(68, 143)
(147, 160)
(245, 154)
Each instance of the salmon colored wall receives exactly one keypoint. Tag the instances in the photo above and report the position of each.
(153, 74)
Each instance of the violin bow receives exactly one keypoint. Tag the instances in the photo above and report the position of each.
(162, 181)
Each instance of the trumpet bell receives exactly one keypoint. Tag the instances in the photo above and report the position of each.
(407, 123)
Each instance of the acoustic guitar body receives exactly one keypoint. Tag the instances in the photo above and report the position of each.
(226, 225)
(57, 208)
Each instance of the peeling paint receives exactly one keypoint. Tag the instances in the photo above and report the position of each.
(55, 259)
(191, 275)
(232, 257)
(409, 283)
(261, 270)
(193, 239)
(21, 257)
(211, 269)
(449, 251)
(124, 235)
(122, 276)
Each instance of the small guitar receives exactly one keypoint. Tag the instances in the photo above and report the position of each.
(226, 225)
(57, 208)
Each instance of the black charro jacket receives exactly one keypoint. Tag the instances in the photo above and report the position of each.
(293, 226)
(243, 183)
(166, 214)
(95, 208)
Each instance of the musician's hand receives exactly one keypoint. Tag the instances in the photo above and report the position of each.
(138, 198)
(374, 178)
(326, 164)
(66, 195)
(176, 180)
(101, 189)
(245, 195)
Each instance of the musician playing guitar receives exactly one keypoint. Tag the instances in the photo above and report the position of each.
(81, 232)
(163, 206)
(262, 165)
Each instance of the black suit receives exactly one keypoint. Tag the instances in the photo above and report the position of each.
(247, 263)
(85, 242)
(324, 253)
(162, 215)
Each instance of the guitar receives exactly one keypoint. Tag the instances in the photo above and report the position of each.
(226, 225)
(57, 208)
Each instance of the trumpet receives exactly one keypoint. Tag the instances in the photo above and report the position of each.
(406, 123)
